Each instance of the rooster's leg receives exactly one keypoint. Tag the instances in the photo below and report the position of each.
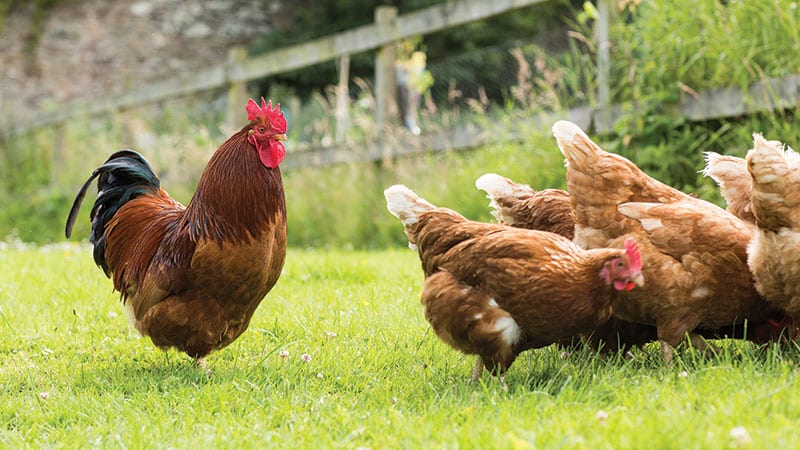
(477, 371)
(667, 351)
(200, 363)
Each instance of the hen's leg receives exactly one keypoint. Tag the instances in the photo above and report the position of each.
(477, 371)
(670, 333)
(700, 343)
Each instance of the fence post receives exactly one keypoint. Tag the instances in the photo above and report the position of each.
(342, 97)
(603, 117)
(237, 92)
(385, 83)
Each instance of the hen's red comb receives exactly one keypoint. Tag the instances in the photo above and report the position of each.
(632, 250)
(273, 116)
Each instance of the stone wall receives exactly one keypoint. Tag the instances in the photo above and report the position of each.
(100, 47)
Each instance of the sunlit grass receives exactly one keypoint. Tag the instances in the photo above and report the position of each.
(73, 375)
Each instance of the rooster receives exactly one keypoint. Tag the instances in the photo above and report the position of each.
(495, 291)
(192, 277)
(694, 253)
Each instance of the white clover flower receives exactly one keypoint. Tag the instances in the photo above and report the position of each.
(740, 436)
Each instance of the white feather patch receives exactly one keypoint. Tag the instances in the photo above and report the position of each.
(404, 204)
(651, 224)
(494, 185)
(509, 331)
(566, 131)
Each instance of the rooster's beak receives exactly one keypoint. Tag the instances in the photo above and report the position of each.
(279, 137)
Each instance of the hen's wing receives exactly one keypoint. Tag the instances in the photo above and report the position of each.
(711, 246)
(520, 206)
(684, 227)
(735, 184)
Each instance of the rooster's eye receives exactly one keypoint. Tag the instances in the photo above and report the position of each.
(262, 129)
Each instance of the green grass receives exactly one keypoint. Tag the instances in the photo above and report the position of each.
(378, 378)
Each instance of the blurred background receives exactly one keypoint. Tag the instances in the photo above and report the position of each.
(421, 92)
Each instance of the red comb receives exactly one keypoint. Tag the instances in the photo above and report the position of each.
(273, 116)
(632, 250)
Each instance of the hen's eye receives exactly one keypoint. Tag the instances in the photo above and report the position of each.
(620, 264)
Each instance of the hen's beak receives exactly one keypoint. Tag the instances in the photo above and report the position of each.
(638, 279)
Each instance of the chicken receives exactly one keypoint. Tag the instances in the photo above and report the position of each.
(495, 291)
(735, 184)
(520, 206)
(694, 253)
(551, 210)
(191, 277)
(774, 253)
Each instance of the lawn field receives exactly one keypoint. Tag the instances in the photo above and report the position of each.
(363, 370)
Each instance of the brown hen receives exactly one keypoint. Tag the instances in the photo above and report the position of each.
(694, 252)
(495, 291)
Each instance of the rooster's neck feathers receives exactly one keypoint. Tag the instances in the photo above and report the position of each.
(237, 197)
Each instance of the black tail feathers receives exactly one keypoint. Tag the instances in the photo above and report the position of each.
(124, 176)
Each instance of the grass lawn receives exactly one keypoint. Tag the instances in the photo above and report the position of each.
(73, 375)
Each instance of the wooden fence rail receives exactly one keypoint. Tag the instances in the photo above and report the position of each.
(238, 70)
(769, 95)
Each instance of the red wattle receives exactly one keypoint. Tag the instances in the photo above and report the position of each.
(272, 155)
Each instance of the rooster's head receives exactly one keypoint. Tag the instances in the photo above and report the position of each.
(624, 272)
(267, 131)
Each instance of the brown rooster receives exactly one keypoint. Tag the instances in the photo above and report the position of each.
(495, 291)
(694, 252)
(191, 277)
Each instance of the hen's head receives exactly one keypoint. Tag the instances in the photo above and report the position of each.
(624, 272)
(267, 131)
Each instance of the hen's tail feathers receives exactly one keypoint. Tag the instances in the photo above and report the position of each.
(124, 176)
(502, 192)
(574, 144)
(496, 186)
(735, 184)
(404, 204)
(771, 168)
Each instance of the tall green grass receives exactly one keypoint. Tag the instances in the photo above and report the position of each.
(660, 52)
(72, 374)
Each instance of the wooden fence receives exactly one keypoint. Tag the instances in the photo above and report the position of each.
(388, 29)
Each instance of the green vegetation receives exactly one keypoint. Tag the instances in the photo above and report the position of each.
(73, 375)
(660, 53)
